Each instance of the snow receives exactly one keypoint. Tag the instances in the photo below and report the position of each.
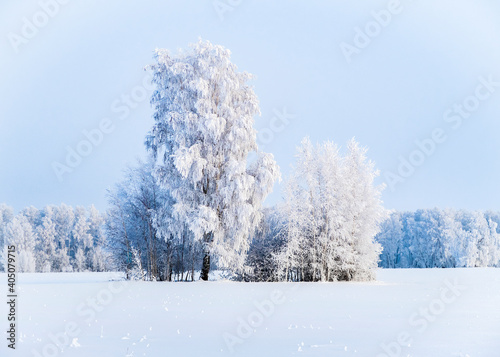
(444, 312)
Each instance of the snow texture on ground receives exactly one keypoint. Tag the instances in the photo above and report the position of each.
(406, 312)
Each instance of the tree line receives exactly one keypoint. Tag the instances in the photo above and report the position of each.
(437, 238)
(55, 238)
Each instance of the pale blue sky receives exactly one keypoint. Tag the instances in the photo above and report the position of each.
(395, 90)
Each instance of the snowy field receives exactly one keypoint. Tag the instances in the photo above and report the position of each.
(431, 312)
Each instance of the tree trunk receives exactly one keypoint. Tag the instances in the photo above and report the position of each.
(192, 267)
(207, 241)
(206, 266)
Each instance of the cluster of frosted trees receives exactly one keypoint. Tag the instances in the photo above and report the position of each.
(323, 231)
(440, 238)
(333, 211)
(197, 202)
(144, 238)
(54, 239)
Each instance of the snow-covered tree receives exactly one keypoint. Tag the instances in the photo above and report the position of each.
(333, 211)
(140, 219)
(64, 220)
(80, 261)
(96, 257)
(202, 137)
(6, 216)
(363, 210)
(20, 233)
(46, 244)
(267, 241)
(33, 215)
(83, 240)
(117, 229)
(494, 244)
(390, 236)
